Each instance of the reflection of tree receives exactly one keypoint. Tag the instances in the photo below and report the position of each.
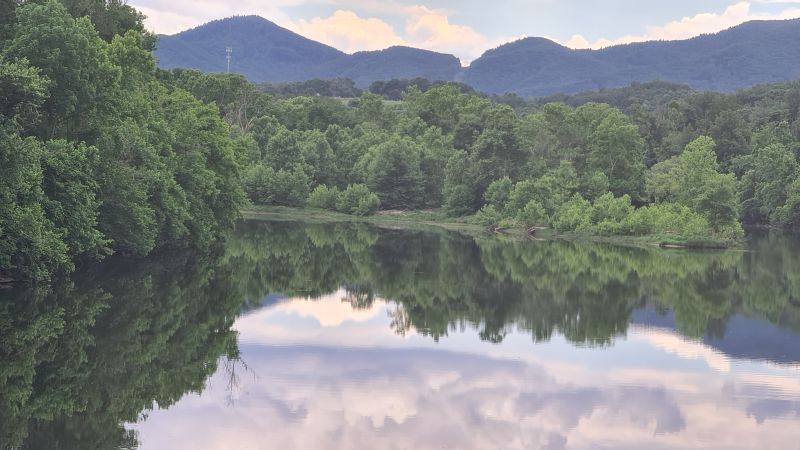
(90, 356)
(586, 291)
(231, 367)
(79, 361)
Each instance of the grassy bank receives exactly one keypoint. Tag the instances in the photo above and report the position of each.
(433, 218)
(406, 219)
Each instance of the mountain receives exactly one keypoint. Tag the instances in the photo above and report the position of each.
(392, 63)
(263, 51)
(752, 53)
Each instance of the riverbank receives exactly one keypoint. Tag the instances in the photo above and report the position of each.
(407, 219)
(436, 219)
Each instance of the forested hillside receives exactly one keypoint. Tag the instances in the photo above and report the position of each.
(97, 156)
(752, 53)
(672, 163)
(265, 52)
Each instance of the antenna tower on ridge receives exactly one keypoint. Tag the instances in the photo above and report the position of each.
(229, 53)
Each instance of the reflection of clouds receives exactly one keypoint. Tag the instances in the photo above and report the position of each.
(685, 348)
(345, 381)
(335, 322)
(314, 397)
(329, 310)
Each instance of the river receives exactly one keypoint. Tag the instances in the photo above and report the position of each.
(349, 336)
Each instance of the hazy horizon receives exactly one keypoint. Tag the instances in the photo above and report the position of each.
(470, 28)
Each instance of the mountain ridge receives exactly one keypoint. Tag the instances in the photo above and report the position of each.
(759, 51)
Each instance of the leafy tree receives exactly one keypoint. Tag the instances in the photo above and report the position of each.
(318, 157)
(31, 244)
(394, 174)
(266, 186)
(8, 18)
(459, 196)
(693, 180)
(111, 18)
(357, 199)
(70, 54)
(72, 196)
(609, 214)
(594, 185)
(323, 197)
(617, 149)
(574, 215)
(496, 152)
(498, 193)
(24, 92)
(788, 215)
(764, 185)
(533, 214)
(283, 150)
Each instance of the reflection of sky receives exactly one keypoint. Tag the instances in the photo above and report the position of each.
(320, 375)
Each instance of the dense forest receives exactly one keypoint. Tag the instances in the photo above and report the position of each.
(96, 155)
(666, 162)
(102, 152)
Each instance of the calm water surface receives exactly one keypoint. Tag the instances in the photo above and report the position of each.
(354, 337)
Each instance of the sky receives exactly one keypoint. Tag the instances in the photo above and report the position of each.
(467, 28)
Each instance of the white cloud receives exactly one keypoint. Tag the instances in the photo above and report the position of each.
(689, 27)
(425, 28)
(432, 30)
(178, 15)
(347, 31)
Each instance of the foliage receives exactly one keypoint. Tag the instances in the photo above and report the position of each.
(394, 174)
(694, 181)
(266, 186)
(498, 192)
(573, 215)
(323, 197)
(358, 200)
(109, 158)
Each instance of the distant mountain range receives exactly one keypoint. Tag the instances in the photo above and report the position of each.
(752, 53)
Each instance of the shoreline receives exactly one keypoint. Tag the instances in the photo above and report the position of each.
(433, 219)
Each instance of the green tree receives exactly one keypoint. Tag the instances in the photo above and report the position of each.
(459, 196)
(693, 180)
(617, 149)
(498, 192)
(394, 174)
(574, 215)
(357, 199)
(72, 197)
(323, 197)
(764, 185)
(72, 56)
(31, 246)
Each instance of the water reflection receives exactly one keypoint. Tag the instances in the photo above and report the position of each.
(587, 292)
(79, 361)
(350, 336)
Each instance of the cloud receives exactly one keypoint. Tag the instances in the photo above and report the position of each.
(432, 30)
(177, 15)
(318, 397)
(689, 27)
(425, 28)
(359, 24)
(347, 31)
